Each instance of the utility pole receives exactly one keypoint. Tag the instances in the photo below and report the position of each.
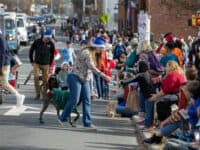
(144, 20)
(51, 6)
(17, 9)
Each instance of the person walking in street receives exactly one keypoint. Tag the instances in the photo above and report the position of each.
(79, 81)
(68, 53)
(5, 58)
(41, 56)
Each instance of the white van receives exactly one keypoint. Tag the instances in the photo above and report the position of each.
(22, 28)
(11, 31)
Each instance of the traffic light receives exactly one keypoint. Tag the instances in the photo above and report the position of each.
(198, 21)
(195, 21)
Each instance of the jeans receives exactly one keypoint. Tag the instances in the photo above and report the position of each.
(78, 90)
(142, 102)
(125, 112)
(169, 128)
(147, 107)
(149, 113)
(105, 90)
(99, 85)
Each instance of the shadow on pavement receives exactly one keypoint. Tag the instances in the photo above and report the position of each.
(24, 148)
(99, 145)
(115, 127)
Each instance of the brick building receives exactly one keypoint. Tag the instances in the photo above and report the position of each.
(170, 17)
(127, 15)
(166, 16)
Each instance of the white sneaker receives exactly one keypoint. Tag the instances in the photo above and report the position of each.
(20, 100)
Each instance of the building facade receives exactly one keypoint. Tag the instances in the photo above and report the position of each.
(127, 15)
(170, 17)
(166, 15)
(109, 8)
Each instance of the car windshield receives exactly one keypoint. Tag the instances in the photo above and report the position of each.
(9, 24)
(20, 23)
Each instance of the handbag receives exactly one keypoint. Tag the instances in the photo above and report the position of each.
(133, 100)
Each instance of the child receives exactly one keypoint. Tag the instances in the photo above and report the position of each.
(121, 63)
(62, 75)
(146, 90)
(68, 53)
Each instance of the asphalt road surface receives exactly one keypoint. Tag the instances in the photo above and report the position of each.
(20, 128)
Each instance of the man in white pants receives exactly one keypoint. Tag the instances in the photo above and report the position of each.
(5, 70)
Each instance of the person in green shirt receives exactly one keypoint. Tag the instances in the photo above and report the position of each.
(132, 56)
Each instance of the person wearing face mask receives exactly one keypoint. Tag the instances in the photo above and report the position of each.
(119, 49)
(41, 56)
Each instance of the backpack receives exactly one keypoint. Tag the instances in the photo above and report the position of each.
(154, 62)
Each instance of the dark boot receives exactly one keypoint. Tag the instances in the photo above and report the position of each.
(154, 139)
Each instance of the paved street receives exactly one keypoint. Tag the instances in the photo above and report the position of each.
(20, 128)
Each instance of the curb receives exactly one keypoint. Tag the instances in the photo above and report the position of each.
(140, 135)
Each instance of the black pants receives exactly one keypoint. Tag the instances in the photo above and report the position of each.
(163, 109)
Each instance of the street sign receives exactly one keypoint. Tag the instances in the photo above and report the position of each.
(32, 8)
(105, 18)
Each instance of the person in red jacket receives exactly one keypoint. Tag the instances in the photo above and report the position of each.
(168, 95)
(52, 67)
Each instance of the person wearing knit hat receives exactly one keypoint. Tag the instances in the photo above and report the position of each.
(98, 42)
(48, 33)
(168, 38)
(41, 56)
(79, 82)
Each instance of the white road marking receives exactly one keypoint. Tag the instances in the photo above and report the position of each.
(17, 111)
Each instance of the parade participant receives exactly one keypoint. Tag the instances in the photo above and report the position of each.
(5, 70)
(41, 56)
(79, 81)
